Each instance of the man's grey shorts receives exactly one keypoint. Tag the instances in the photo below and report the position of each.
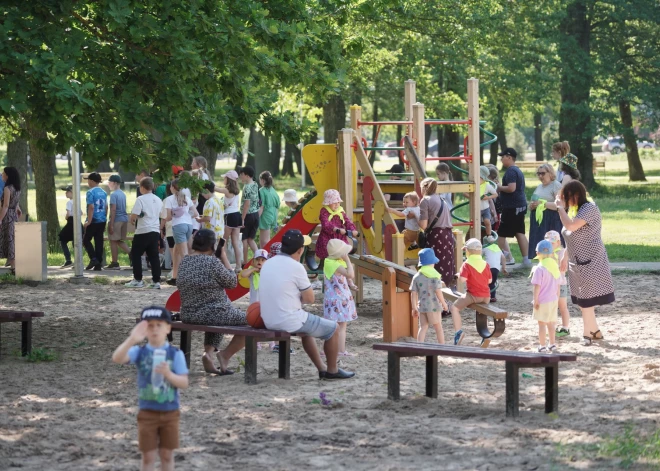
(318, 327)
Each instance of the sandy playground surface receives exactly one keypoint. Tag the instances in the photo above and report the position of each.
(79, 412)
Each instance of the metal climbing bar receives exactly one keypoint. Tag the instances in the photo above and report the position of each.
(384, 123)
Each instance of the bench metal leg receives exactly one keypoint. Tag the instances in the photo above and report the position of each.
(393, 376)
(432, 376)
(250, 360)
(285, 359)
(0, 338)
(484, 331)
(26, 337)
(512, 389)
(552, 389)
(185, 345)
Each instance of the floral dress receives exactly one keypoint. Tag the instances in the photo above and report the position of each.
(338, 304)
(327, 233)
(7, 247)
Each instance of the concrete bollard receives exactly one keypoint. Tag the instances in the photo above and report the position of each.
(31, 251)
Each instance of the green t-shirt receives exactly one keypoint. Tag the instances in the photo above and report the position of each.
(161, 191)
(270, 201)
(251, 192)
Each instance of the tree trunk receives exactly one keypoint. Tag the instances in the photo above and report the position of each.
(374, 130)
(399, 136)
(275, 154)
(239, 154)
(17, 151)
(103, 166)
(208, 153)
(538, 136)
(448, 142)
(499, 130)
(289, 153)
(54, 162)
(68, 162)
(250, 160)
(260, 151)
(576, 79)
(635, 169)
(334, 118)
(44, 181)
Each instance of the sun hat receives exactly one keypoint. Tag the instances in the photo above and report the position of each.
(473, 244)
(95, 177)
(337, 248)
(275, 249)
(261, 253)
(330, 197)
(293, 239)
(176, 169)
(544, 248)
(552, 236)
(290, 196)
(427, 257)
(396, 168)
(232, 175)
(484, 172)
(114, 179)
(66, 188)
(569, 160)
(510, 151)
(156, 313)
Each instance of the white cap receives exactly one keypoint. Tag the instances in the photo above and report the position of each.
(290, 196)
(473, 244)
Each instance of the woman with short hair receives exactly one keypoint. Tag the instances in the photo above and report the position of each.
(435, 219)
(202, 281)
(589, 275)
(9, 213)
(543, 216)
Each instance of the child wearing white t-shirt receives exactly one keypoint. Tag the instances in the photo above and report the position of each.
(497, 263)
(411, 215)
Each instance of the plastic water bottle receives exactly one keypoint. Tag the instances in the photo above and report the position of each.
(157, 379)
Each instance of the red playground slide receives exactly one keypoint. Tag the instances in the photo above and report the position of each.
(297, 222)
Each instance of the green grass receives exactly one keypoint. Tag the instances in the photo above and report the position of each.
(41, 354)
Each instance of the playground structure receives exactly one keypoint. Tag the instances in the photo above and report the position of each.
(338, 166)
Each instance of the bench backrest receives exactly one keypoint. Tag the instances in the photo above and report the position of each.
(232, 330)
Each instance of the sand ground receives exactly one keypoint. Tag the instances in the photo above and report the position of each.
(78, 412)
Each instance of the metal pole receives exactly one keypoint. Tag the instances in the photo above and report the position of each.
(77, 222)
(301, 145)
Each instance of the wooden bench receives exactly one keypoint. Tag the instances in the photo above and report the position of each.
(534, 164)
(25, 318)
(252, 337)
(514, 361)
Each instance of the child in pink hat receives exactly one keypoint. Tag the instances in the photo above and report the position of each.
(335, 224)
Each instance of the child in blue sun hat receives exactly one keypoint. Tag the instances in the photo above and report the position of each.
(426, 296)
(546, 282)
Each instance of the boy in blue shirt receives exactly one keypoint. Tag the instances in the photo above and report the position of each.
(97, 213)
(118, 224)
(158, 387)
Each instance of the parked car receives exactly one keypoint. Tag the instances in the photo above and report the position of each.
(614, 145)
(391, 153)
(432, 150)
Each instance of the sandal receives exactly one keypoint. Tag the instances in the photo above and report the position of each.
(586, 341)
(598, 335)
(209, 367)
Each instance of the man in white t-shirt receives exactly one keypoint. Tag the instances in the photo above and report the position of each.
(284, 283)
(147, 234)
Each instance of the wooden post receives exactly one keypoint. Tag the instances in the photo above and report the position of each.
(419, 137)
(473, 152)
(250, 360)
(432, 376)
(345, 175)
(284, 362)
(359, 277)
(393, 376)
(186, 341)
(552, 388)
(512, 389)
(410, 93)
(356, 115)
(459, 237)
(398, 249)
(26, 337)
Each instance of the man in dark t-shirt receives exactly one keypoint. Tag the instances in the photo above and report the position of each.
(514, 207)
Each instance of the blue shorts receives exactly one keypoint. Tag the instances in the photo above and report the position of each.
(485, 214)
(318, 327)
(181, 233)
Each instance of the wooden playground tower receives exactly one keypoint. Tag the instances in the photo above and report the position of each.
(379, 234)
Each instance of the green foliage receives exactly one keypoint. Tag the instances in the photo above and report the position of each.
(41, 354)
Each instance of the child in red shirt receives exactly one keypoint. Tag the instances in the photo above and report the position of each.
(476, 273)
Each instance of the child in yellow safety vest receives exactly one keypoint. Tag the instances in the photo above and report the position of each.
(545, 279)
(426, 296)
(487, 192)
(497, 263)
(475, 272)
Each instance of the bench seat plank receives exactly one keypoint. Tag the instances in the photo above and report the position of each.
(232, 330)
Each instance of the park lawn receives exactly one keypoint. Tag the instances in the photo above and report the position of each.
(631, 211)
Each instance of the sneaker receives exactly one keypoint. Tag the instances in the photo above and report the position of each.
(542, 349)
(340, 374)
(275, 349)
(67, 264)
(317, 285)
(91, 265)
(526, 263)
(98, 267)
(562, 332)
(552, 348)
(171, 282)
(153, 285)
(490, 239)
(493, 300)
(458, 337)
(135, 284)
(113, 266)
(413, 246)
(510, 260)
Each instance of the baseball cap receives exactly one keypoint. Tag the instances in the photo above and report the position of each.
(293, 239)
(275, 249)
(552, 236)
(473, 244)
(114, 179)
(232, 175)
(484, 172)
(397, 168)
(95, 177)
(261, 253)
(544, 248)
(509, 151)
(66, 188)
(152, 313)
(176, 169)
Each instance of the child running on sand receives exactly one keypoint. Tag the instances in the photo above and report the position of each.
(426, 296)
(545, 278)
(338, 304)
(475, 272)
(162, 372)
(560, 252)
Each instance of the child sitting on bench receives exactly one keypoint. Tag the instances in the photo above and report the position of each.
(252, 273)
(426, 296)
(475, 272)
(162, 371)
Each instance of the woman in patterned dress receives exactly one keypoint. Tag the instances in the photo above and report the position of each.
(589, 275)
(439, 237)
(202, 281)
(9, 213)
